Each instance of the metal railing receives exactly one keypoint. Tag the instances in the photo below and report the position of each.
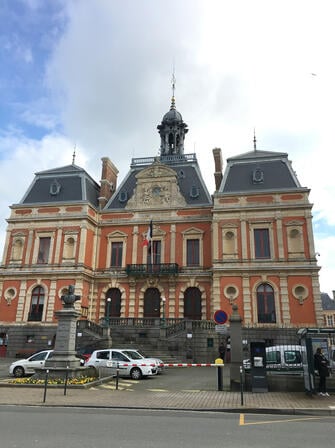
(157, 269)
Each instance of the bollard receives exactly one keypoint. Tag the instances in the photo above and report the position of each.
(66, 379)
(45, 385)
(219, 369)
(241, 385)
(219, 372)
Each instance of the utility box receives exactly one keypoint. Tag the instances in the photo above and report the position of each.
(259, 381)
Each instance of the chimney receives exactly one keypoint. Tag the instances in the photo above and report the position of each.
(218, 167)
(108, 181)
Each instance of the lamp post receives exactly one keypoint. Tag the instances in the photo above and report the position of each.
(108, 311)
(163, 311)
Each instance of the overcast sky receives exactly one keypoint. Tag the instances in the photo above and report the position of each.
(96, 75)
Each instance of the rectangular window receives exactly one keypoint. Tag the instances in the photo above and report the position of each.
(192, 256)
(43, 250)
(262, 243)
(117, 254)
(156, 252)
(330, 321)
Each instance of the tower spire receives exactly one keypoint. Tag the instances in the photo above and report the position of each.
(173, 85)
(255, 141)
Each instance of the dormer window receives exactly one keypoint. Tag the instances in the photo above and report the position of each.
(55, 188)
(258, 176)
(194, 193)
(123, 196)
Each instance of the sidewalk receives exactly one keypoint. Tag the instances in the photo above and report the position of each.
(105, 395)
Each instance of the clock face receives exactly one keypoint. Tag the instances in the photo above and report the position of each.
(156, 191)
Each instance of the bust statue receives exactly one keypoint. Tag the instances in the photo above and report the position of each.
(69, 299)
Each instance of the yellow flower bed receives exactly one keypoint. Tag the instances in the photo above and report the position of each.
(70, 381)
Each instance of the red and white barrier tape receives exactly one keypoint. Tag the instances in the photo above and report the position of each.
(193, 365)
(122, 364)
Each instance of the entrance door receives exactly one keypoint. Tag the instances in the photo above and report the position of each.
(192, 304)
(3, 344)
(113, 303)
(151, 303)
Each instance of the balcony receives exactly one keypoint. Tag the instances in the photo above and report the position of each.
(138, 270)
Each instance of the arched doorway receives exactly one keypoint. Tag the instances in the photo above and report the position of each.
(192, 304)
(113, 303)
(152, 302)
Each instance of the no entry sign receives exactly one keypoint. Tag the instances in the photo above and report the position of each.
(220, 317)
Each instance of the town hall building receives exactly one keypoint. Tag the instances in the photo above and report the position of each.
(156, 250)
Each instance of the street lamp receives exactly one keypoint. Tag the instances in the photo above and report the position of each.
(108, 311)
(163, 311)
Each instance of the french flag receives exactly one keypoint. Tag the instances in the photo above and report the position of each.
(148, 238)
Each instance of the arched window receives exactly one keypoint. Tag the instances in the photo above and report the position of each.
(37, 304)
(266, 310)
(113, 303)
(192, 304)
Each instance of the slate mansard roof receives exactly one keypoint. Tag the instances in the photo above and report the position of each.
(328, 304)
(259, 171)
(65, 184)
(190, 182)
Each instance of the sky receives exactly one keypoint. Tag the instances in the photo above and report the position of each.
(94, 76)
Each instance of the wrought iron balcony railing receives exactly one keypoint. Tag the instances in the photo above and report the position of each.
(152, 269)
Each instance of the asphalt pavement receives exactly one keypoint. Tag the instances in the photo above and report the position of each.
(155, 396)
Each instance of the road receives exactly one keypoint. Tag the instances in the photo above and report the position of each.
(41, 427)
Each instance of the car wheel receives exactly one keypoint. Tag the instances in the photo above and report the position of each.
(136, 374)
(18, 372)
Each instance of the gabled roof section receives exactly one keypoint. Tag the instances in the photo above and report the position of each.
(69, 183)
(186, 175)
(256, 171)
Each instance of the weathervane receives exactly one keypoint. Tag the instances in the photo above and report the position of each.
(74, 155)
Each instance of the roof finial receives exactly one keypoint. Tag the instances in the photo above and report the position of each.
(173, 83)
(255, 141)
(74, 155)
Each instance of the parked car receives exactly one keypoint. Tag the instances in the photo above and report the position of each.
(134, 353)
(27, 366)
(281, 358)
(126, 365)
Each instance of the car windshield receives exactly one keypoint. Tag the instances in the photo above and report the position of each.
(132, 355)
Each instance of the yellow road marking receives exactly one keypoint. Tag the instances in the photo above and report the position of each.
(265, 422)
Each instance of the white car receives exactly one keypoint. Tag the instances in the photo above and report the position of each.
(27, 366)
(126, 365)
(134, 353)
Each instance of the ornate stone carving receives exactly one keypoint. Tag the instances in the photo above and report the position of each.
(157, 186)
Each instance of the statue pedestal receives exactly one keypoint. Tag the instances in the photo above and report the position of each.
(64, 355)
(64, 363)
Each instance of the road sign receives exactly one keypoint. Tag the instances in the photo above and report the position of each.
(222, 329)
(220, 317)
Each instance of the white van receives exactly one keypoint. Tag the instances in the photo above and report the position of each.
(282, 358)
